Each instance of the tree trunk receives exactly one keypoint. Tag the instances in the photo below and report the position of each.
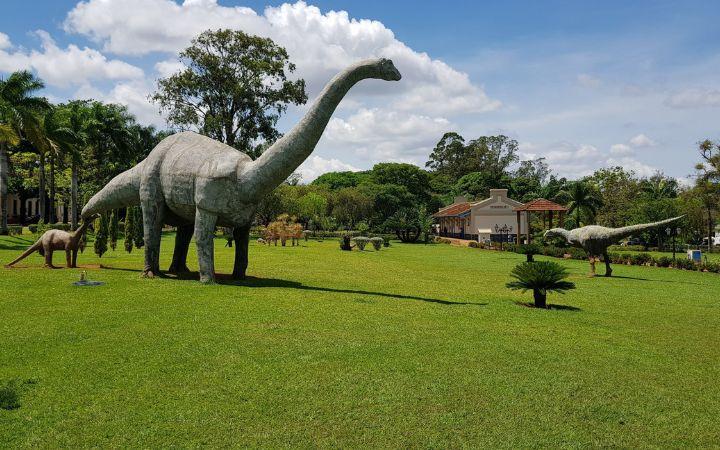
(540, 298)
(4, 178)
(74, 196)
(53, 210)
(710, 231)
(41, 188)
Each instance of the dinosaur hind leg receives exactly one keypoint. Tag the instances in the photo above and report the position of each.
(242, 241)
(152, 212)
(204, 239)
(182, 245)
(592, 260)
(48, 257)
(608, 269)
(35, 247)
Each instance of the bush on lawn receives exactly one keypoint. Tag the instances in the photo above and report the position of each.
(529, 250)
(663, 261)
(685, 264)
(345, 242)
(540, 277)
(361, 242)
(377, 242)
(14, 230)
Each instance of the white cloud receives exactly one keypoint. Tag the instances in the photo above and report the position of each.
(329, 42)
(315, 166)
(65, 67)
(694, 98)
(588, 81)
(631, 164)
(641, 140)
(133, 94)
(382, 135)
(621, 149)
(168, 67)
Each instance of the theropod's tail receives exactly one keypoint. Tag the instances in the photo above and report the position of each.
(35, 247)
(121, 191)
(619, 233)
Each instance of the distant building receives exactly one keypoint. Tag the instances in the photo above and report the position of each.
(28, 210)
(491, 219)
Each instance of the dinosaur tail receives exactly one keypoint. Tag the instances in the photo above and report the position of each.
(619, 233)
(120, 192)
(35, 247)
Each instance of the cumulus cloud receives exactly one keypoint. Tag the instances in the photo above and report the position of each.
(641, 140)
(133, 94)
(64, 67)
(381, 135)
(621, 149)
(330, 42)
(694, 98)
(316, 166)
(588, 81)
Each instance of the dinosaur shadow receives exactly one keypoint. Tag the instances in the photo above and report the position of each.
(15, 243)
(255, 282)
(550, 306)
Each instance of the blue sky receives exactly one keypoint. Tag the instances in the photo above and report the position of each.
(584, 84)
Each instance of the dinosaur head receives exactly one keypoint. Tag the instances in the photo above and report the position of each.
(556, 233)
(385, 70)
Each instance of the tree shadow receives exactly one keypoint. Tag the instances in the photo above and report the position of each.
(550, 306)
(643, 279)
(15, 243)
(255, 282)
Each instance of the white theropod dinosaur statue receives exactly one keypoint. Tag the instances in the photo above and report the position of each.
(197, 183)
(595, 239)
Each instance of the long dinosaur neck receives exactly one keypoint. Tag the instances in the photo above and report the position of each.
(282, 158)
(77, 234)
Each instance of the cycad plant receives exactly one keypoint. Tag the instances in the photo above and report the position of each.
(541, 277)
(529, 250)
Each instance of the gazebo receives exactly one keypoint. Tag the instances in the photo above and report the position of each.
(538, 205)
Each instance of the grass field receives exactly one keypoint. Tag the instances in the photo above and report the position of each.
(412, 346)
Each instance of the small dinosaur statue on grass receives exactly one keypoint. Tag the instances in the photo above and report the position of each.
(52, 240)
(595, 239)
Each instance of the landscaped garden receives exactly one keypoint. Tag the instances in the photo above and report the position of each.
(411, 345)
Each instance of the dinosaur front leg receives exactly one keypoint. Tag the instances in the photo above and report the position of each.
(592, 265)
(152, 212)
(204, 239)
(68, 258)
(242, 243)
(74, 258)
(608, 270)
(182, 245)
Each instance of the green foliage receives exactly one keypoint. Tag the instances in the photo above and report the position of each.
(129, 228)
(338, 180)
(377, 242)
(583, 200)
(528, 250)
(361, 242)
(540, 277)
(138, 230)
(346, 242)
(113, 229)
(101, 235)
(234, 88)
(406, 224)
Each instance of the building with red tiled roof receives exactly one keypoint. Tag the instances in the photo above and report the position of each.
(491, 219)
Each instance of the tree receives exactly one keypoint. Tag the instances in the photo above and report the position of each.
(619, 191)
(406, 224)
(129, 228)
(55, 141)
(312, 207)
(19, 112)
(410, 176)
(581, 198)
(339, 180)
(351, 206)
(540, 277)
(138, 230)
(113, 229)
(234, 88)
(708, 182)
(101, 235)
(659, 187)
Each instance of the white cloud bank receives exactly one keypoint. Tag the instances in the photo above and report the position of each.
(64, 67)
(694, 98)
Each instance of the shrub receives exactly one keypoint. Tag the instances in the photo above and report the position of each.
(386, 243)
(663, 261)
(129, 227)
(101, 235)
(529, 250)
(576, 253)
(377, 242)
(14, 230)
(345, 243)
(541, 277)
(474, 244)
(113, 229)
(640, 259)
(361, 242)
(685, 264)
(138, 230)
(712, 266)
(626, 258)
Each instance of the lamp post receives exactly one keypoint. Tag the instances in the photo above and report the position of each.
(673, 232)
(503, 231)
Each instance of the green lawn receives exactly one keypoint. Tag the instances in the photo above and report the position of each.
(412, 346)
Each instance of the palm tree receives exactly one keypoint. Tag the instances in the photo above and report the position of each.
(56, 141)
(19, 112)
(581, 198)
(540, 277)
(81, 122)
(659, 187)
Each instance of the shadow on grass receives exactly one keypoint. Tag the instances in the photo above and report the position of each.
(643, 279)
(550, 306)
(254, 282)
(16, 243)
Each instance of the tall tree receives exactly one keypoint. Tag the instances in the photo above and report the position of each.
(708, 182)
(582, 198)
(19, 112)
(57, 140)
(234, 88)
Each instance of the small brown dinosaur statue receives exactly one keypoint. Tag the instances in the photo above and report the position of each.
(52, 240)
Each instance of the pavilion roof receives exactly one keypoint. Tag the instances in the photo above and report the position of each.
(454, 210)
(540, 204)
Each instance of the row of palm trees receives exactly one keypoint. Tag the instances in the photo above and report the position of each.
(91, 137)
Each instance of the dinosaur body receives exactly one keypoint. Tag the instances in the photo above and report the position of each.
(197, 183)
(595, 239)
(53, 240)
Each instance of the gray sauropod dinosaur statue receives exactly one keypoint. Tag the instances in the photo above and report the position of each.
(595, 239)
(197, 183)
(52, 240)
